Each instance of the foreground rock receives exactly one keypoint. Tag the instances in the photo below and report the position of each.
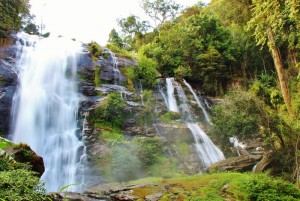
(22, 153)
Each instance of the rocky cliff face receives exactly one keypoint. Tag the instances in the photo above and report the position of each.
(8, 83)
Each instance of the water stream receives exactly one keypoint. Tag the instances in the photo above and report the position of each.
(45, 110)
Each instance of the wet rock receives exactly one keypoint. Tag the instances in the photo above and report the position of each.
(240, 163)
(8, 83)
(125, 62)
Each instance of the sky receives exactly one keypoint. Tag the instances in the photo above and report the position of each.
(87, 20)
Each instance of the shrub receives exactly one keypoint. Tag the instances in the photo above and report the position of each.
(120, 52)
(146, 72)
(111, 111)
(240, 115)
(95, 49)
(21, 184)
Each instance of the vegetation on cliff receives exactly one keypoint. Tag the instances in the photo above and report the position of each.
(245, 50)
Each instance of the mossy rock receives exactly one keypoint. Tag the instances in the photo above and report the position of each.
(22, 153)
(169, 116)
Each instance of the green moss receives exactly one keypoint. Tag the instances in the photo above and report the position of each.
(96, 75)
(95, 49)
(169, 116)
(183, 148)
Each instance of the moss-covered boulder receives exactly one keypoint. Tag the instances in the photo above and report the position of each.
(22, 153)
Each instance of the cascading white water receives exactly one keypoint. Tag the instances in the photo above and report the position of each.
(115, 67)
(200, 104)
(46, 105)
(207, 151)
(172, 104)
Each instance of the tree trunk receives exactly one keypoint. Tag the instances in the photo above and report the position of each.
(280, 72)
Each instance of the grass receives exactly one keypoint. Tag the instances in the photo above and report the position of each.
(218, 187)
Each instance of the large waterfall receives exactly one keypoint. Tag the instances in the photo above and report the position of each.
(207, 151)
(45, 110)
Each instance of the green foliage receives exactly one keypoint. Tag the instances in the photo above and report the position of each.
(95, 49)
(113, 137)
(145, 72)
(161, 10)
(122, 53)
(262, 187)
(133, 29)
(240, 115)
(110, 111)
(11, 14)
(115, 39)
(265, 88)
(32, 29)
(182, 72)
(20, 184)
(196, 46)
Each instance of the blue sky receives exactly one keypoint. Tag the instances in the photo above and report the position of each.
(87, 20)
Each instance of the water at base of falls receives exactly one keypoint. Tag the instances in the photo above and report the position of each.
(45, 110)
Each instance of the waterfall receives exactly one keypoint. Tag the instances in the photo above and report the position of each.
(46, 105)
(207, 151)
(200, 104)
(172, 105)
(116, 71)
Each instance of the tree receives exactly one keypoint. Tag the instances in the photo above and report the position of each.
(114, 38)
(31, 29)
(161, 10)
(11, 14)
(271, 25)
(132, 25)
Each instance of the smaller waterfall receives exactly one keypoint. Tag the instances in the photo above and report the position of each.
(172, 104)
(116, 70)
(207, 151)
(200, 104)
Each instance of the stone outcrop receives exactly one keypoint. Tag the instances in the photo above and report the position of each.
(241, 163)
